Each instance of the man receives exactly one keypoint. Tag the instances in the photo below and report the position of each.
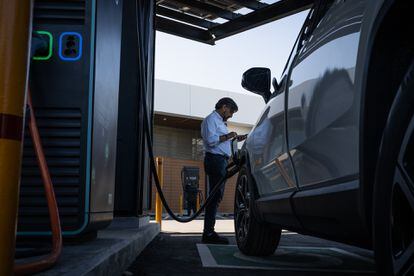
(217, 144)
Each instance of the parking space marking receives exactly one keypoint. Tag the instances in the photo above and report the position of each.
(208, 260)
(339, 250)
(205, 255)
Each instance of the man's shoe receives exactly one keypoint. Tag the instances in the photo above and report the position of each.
(214, 238)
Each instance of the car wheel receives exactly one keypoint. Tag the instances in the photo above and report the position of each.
(253, 237)
(393, 220)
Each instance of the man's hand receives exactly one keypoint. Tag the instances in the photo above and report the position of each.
(228, 136)
(231, 135)
(241, 137)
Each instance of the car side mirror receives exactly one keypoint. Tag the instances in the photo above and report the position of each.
(257, 80)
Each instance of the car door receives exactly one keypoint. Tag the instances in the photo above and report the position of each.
(323, 112)
(322, 107)
(270, 164)
(267, 147)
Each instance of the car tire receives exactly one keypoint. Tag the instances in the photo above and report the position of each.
(253, 237)
(393, 197)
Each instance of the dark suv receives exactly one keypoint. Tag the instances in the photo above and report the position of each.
(332, 154)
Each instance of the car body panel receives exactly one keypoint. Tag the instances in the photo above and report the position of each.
(316, 114)
(323, 109)
(266, 145)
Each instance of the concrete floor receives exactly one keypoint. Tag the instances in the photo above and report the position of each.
(174, 252)
(196, 226)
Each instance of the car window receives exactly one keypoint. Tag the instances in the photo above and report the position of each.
(313, 21)
(295, 46)
(282, 79)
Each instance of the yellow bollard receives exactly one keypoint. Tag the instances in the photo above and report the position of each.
(15, 18)
(198, 202)
(158, 205)
(181, 204)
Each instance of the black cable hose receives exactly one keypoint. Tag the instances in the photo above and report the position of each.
(232, 168)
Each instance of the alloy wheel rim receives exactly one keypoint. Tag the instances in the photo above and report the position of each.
(242, 204)
(402, 206)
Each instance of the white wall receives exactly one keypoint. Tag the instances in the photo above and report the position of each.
(197, 102)
(171, 97)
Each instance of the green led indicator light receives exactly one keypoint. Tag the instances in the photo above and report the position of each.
(49, 55)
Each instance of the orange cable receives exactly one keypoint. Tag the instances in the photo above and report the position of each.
(49, 260)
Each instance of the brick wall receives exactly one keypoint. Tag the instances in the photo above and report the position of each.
(173, 188)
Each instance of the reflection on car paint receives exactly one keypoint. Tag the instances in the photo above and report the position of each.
(322, 108)
(265, 144)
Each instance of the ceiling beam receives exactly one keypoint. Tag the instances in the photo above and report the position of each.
(180, 16)
(276, 11)
(250, 4)
(183, 30)
(210, 9)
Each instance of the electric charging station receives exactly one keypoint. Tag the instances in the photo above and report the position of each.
(86, 87)
(75, 87)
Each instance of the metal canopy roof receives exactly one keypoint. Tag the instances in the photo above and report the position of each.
(210, 20)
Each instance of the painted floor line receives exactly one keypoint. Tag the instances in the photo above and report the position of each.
(293, 269)
(205, 255)
(339, 250)
(208, 260)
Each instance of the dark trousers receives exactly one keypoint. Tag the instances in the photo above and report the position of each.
(215, 168)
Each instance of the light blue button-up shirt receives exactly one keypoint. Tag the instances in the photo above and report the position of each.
(212, 128)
